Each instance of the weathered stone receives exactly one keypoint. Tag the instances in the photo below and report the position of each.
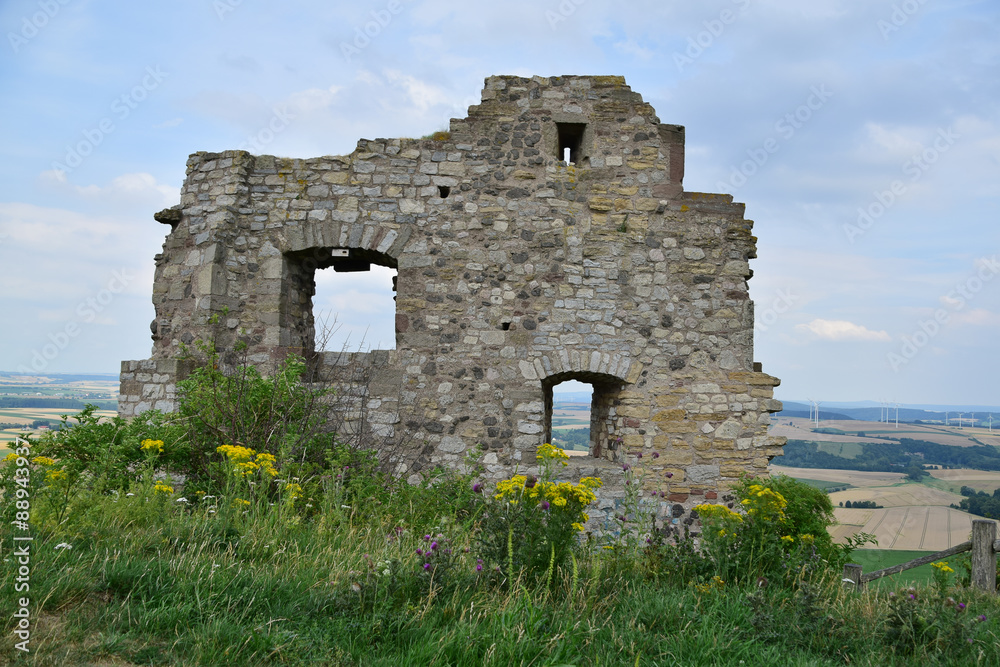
(515, 271)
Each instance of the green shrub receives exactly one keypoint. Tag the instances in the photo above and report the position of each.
(532, 524)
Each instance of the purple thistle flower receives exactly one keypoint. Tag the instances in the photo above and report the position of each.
(427, 566)
(982, 618)
(479, 567)
(477, 487)
(961, 606)
(427, 538)
(656, 455)
(912, 596)
(544, 505)
(639, 455)
(434, 545)
(669, 475)
(626, 467)
(447, 552)
(419, 552)
(529, 483)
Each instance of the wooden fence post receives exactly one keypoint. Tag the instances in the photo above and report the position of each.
(984, 558)
(852, 573)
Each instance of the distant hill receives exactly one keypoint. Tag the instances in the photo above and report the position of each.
(55, 403)
(874, 414)
(59, 378)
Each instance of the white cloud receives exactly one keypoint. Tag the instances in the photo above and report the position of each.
(139, 188)
(173, 122)
(977, 317)
(841, 330)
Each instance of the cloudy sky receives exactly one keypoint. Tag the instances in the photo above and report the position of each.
(861, 134)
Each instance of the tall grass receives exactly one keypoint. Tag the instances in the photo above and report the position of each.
(153, 583)
(318, 559)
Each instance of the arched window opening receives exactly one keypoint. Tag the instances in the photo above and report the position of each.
(571, 416)
(567, 415)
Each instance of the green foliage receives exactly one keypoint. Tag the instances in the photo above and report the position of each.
(782, 534)
(531, 524)
(251, 566)
(981, 503)
(930, 621)
(891, 456)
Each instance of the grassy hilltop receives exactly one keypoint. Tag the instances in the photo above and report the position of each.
(243, 531)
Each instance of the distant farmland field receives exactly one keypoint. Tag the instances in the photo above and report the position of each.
(918, 528)
(800, 428)
(915, 516)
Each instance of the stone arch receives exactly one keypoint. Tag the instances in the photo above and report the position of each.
(587, 362)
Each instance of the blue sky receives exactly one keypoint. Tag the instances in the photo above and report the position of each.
(862, 136)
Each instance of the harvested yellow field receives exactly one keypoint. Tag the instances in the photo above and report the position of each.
(898, 496)
(800, 428)
(852, 477)
(924, 528)
(981, 480)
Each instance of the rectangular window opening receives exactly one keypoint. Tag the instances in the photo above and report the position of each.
(570, 142)
(353, 303)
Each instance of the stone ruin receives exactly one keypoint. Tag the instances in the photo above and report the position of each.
(546, 237)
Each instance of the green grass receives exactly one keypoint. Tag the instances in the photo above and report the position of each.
(878, 559)
(847, 450)
(824, 485)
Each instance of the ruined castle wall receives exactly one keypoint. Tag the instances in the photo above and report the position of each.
(516, 271)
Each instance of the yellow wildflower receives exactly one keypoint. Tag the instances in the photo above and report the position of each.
(148, 444)
(239, 502)
(10, 457)
(942, 566)
(54, 475)
(161, 487)
(294, 490)
(787, 538)
(235, 453)
(718, 512)
(43, 460)
(578, 527)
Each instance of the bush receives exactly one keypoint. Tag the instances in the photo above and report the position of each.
(532, 524)
(781, 533)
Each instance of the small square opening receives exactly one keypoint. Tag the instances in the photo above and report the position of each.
(570, 136)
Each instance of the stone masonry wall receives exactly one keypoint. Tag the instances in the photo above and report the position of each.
(516, 271)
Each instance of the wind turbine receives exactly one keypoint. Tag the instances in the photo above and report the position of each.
(960, 419)
(818, 403)
(897, 415)
(973, 420)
